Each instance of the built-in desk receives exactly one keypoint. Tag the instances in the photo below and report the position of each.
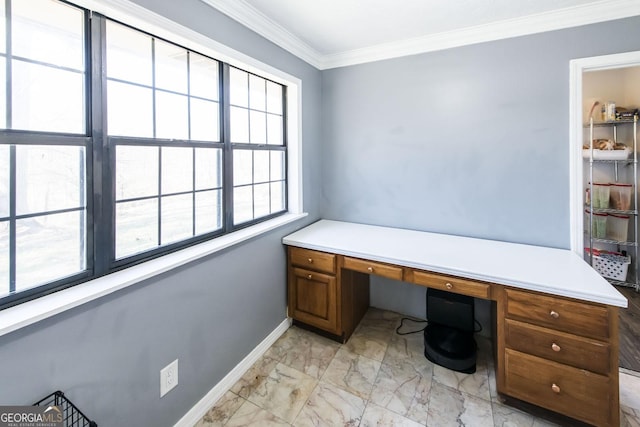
(556, 319)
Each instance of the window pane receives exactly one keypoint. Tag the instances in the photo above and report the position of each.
(239, 124)
(239, 90)
(277, 196)
(129, 110)
(171, 67)
(204, 76)
(128, 54)
(171, 116)
(260, 166)
(277, 165)
(177, 218)
(177, 169)
(208, 211)
(257, 96)
(204, 120)
(274, 130)
(136, 227)
(49, 178)
(4, 182)
(3, 92)
(4, 258)
(48, 31)
(242, 204)
(208, 168)
(48, 248)
(3, 45)
(136, 171)
(47, 99)
(258, 128)
(274, 98)
(261, 200)
(242, 167)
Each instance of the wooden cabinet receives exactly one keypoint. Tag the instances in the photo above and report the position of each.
(560, 354)
(322, 295)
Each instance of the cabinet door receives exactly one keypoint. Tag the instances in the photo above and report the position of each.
(313, 299)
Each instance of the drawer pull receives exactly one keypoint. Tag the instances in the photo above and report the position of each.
(555, 347)
(370, 269)
(555, 388)
(449, 285)
(310, 260)
(310, 276)
(554, 314)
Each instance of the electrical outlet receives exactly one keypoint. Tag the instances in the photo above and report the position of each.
(168, 377)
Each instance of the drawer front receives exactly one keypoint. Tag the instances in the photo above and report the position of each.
(452, 284)
(558, 313)
(574, 392)
(558, 346)
(313, 260)
(372, 267)
(313, 299)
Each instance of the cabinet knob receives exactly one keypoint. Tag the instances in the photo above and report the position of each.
(448, 285)
(555, 347)
(310, 276)
(554, 314)
(555, 388)
(370, 269)
(310, 260)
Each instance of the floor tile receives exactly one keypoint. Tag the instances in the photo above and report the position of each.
(331, 406)
(506, 416)
(223, 410)
(403, 389)
(376, 416)
(283, 392)
(629, 417)
(305, 351)
(451, 407)
(254, 377)
(370, 341)
(476, 384)
(352, 372)
(629, 391)
(251, 415)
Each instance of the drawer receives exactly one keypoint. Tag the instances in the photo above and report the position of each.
(314, 260)
(451, 284)
(574, 392)
(558, 313)
(372, 267)
(558, 346)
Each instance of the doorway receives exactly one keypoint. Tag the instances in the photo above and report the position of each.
(588, 80)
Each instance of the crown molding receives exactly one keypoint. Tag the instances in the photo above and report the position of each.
(255, 20)
(605, 10)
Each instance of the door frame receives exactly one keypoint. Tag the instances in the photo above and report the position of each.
(576, 166)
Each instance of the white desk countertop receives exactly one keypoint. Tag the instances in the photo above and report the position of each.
(554, 271)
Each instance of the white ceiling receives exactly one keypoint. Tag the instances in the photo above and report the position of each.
(333, 33)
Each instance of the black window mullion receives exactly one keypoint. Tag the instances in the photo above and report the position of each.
(227, 153)
(100, 209)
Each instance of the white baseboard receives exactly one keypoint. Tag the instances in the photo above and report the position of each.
(200, 409)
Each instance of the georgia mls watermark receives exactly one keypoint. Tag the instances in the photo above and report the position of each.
(31, 416)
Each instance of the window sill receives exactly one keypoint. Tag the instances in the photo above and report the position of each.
(19, 316)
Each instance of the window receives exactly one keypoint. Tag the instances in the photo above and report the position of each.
(117, 146)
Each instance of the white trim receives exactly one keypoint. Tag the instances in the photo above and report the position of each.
(605, 10)
(576, 197)
(25, 314)
(199, 410)
(255, 20)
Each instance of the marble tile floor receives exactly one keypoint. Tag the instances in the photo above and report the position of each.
(377, 378)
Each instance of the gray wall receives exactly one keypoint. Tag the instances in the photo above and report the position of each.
(107, 355)
(470, 141)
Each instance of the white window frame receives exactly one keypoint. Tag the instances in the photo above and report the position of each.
(22, 315)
